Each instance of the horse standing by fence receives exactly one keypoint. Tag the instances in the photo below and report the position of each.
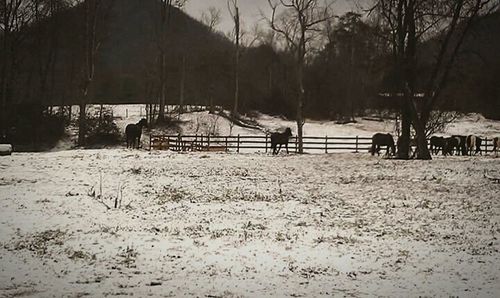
(436, 144)
(134, 132)
(381, 139)
(496, 145)
(462, 144)
(278, 138)
(451, 144)
(474, 142)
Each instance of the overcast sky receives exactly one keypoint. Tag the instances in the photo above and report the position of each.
(250, 10)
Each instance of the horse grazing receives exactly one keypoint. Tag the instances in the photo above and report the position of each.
(462, 144)
(280, 138)
(451, 144)
(496, 145)
(436, 144)
(133, 133)
(382, 139)
(474, 142)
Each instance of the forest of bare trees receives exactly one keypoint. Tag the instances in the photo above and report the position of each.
(306, 62)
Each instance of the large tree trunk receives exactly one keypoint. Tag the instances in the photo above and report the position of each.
(422, 150)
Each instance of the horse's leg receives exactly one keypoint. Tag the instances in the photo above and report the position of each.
(279, 148)
(286, 145)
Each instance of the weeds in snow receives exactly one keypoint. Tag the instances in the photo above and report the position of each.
(39, 243)
(127, 257)
(110, 201)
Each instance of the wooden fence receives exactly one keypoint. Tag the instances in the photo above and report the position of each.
(241, 143)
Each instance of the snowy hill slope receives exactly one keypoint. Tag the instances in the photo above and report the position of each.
(197, 123)
(465, 125)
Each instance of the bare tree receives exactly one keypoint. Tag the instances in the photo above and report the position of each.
(14, 17)
(234, 10)
(211, 19)
(95, 12)
(162, 38)
(299, 24)
(411, 22)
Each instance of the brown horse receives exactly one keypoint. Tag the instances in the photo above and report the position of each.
(436, 144)
(496, 145)
(451, 144)
(474, 143)
(134, 132)
(280, 138)
(462, 144)
(383, 139)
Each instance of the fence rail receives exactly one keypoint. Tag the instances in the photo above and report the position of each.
(239, 143)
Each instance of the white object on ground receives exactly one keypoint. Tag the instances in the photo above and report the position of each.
(5, 149)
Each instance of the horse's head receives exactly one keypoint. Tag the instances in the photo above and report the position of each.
(288, 131)
(143, 123)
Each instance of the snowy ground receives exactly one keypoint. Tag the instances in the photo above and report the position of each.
(227, 225)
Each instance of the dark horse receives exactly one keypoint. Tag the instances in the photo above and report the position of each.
(436, 144)
(133, 132)
(383, 139)
(280, 138)
(450, 145)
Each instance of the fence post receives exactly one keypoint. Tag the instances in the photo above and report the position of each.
(208, 142)
(238, 146)
(297, 144)
(266, 142)
(326, 144)
(486, 146)
(357, 144)
(150, 142)
(227, 149)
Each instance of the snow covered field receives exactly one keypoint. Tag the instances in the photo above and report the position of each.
(229, 225)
